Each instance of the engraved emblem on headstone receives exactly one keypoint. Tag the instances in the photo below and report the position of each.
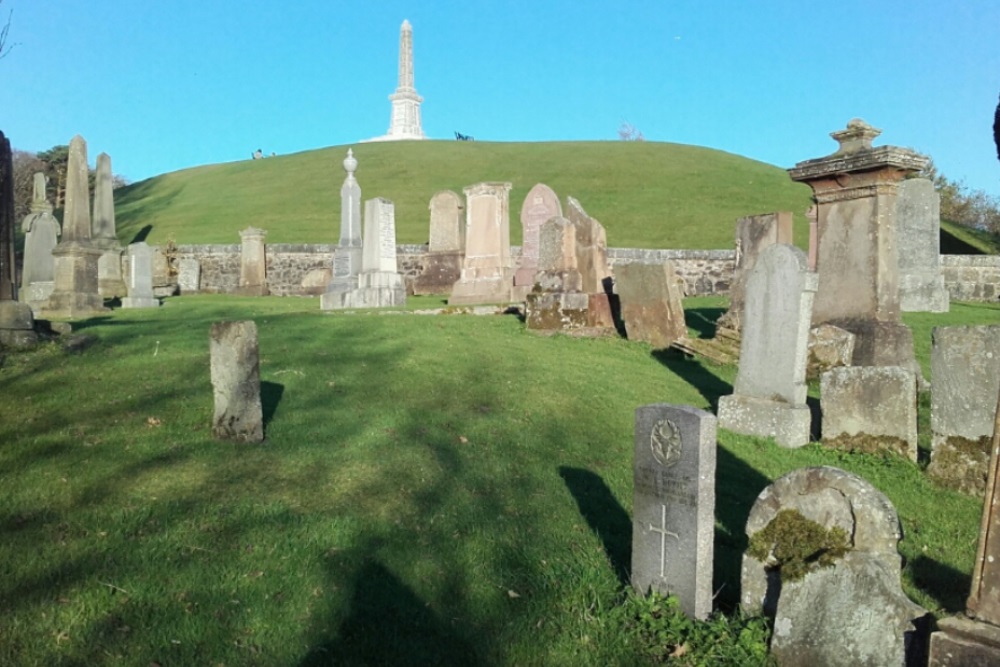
(665, 441)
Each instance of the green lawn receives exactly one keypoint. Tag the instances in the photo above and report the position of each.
(433, 489)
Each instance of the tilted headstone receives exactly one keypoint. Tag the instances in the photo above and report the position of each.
(378, 285)
(75, 293)
(753, 234)
(8, 270)
(41, 234)
(851, 611)
(539, 206)
(673, 523)
(110, 282)
(140, 278)
(591, 248)
(651, 306)
(857, 245)
(235, 367)
(446, 250)
(487, 275)
(253, 262)
(965, 378)
(347, 256)
(918, 214)
(769, 396)
(871, 409)
(556, 301)
(188, 275)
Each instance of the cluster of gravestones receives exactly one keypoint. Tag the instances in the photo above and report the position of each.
(68, 271)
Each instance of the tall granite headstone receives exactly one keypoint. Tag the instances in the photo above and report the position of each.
(965, 378)
(235, 368)
(75, 293)
(753, 234)
(769, 397)
(347, 256)
(673, 525)
(851, 611)
(856, 191)
(446, 250)
(110, 282)
(41, 235)
(921, 284)
(379, 283)
(253, 262)
(140, 278)
(651, 306)
(487, 274)
(540, 205)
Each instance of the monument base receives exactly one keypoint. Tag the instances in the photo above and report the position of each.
(75, 293)
(548, 311)
(110, 283)
(441, 271)
(788, 424)
(473, 290)
(375, 289)
(962, 642)
(17, 325)
(252, 290)
(37, 294)
(140, 302)
(960, 463)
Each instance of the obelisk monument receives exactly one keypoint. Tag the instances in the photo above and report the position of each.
(405, 120)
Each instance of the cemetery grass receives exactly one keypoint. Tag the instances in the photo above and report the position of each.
(433, 489)
(646, 194)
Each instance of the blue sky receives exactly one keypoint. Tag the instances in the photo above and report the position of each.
(161, 86)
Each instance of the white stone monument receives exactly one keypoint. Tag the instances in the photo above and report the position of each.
(140, 278)
(405, 120)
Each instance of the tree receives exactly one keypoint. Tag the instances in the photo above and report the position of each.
(25, 166)
(962, 206)
(629, 132)
(5, 47)
(56, 161)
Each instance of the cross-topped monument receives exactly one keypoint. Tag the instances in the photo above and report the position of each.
(405, 120)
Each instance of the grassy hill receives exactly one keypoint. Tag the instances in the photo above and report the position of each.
(647, 194)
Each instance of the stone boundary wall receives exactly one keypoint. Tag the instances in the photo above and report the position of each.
(292, 267)
(972, 277)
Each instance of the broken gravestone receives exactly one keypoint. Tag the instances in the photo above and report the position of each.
(236, 382)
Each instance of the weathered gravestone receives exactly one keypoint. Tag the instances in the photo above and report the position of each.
(829, 347)
(591, 248)
(769, 396)
(965, 374)
(17, 325)
(673, 524)
(75, 293)
(236, 382)
(539, 206)
(823, 562)
(253, 263)
(976, 640)
(140, 278)
(855, 190)
(871, 409)
(379, 284)
(753, 234)
(651, 307)
(446, 249)
(8, 272)
(110, 282)
(487, 275)
(921, 285)
(188, 275)
(556, 302)
(41, 234)
(347, 257)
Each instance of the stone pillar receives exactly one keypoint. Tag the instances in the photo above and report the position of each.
(253, 263)
(109, 267)
(405, 120)
(347, 257)
(75, 293)
(8, 269)
(855, 190)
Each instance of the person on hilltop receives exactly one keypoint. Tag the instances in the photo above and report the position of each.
(258, 154)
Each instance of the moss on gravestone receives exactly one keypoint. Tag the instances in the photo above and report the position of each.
(797, 545)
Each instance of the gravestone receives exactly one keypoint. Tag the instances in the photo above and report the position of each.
(235, 368)
(443, 261)
(871, 409)
(921, 284)
(253, 263)
(651, 308)
(852, 611)
(379, 283)
(965, 374)
(75, 292)
(769, 396)
(673, 525)
(110, 282)
(347, 256)
(140, 278)
(487, 275)
(829, 347)
(976, 640)
(556, 302)
(591, 248)
(17, 325)
(753, 234)
(8, 267)
(188, 275)
(539, 206)
(41, 234)
(856, 190)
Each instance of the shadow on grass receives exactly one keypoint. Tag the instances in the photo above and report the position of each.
(815, 419)
(945, 584)
(695, 374)
(388, 624)
(605, 516)
(703, 320)
(270, 396)
(142, 234)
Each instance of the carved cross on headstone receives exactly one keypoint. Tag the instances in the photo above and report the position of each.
(664, 534)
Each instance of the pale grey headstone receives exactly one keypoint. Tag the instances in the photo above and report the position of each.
(253, 262)
(918, 214)
(378, 285)
(347, 257)
(875, 401)
(41, 235)
(379, 243)
(140, 278)
(188, 275)
(235, 368)
(674, 504)
(769, 396)
(103, 229)
(447, 227)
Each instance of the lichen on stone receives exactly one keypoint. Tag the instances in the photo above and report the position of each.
(796, 545)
